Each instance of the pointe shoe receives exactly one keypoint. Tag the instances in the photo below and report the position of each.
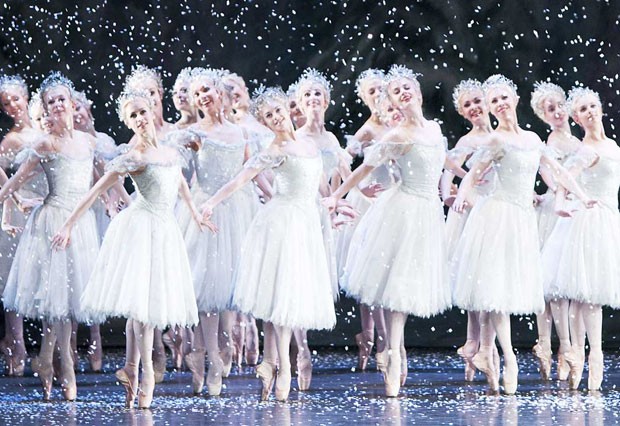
(304, 372)
(45, 372)
(483, 361)
(364, 346)
(392, 377)
(69, 390)
(467, 352)
(214, 377)
(382, 361)
(159, 366)
(95, 357)
(575, 359)
(283, 384)
(227, 357)
(129, 380)
(404, 368)
(174, 343)
(195, 362)
(543, 354)
(563, 367)
(595, 370)
(511, 376)
(251, 358)
(266, 372)
(147, 387)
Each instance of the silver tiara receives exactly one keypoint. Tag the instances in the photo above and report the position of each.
(311, 75)
(131, 95)
(262, 95)
(291, 92)
(7, 81)
(578, 92)
(81, 98)
(231, 76)
(211, 74)
(499, 80)
(542, 90)
(139, 74)
(401, 71)
(366, 75)
(54, 79)
(463, 87)
(183, 77)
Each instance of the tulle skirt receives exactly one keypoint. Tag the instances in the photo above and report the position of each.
(283, 276)
(45, 283)
(361, 204)
(496, 265)
(397, 258)
(213, 257)
(8, 245)
(547, 217)
(585, 250)
(142, 272)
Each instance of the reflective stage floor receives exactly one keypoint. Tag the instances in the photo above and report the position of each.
(435, 393)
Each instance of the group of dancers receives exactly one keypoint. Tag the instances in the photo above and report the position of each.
(238, 215)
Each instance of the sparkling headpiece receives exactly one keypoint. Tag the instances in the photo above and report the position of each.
(263, 95)
(138, 75)
(371, 73)
(463, 87)
(578, 92)
(210, 74)
(401, 71)
(499, 80)
(232, 77)
(127, 96)
(55, 79)
(36, 103)
(7, 81)
(81, 98)
(183, 77)
(291, 92)
(310, 75)
(542, 90)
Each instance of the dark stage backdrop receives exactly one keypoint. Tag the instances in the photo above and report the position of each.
(96, 43)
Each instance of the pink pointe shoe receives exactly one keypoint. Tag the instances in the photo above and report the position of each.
(484, 362)
(467, 352)
(543, 354)
(364, 346)
(266, 372)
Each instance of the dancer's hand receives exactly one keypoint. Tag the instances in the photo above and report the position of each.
(537, 199)
(12, 230)
(460, 204)
(62, 239)
(207, 211)
(590, 203)
(329, 203)
(449, 201)
(346, 209)
(25, 205)
(564, 212)
(372, 190)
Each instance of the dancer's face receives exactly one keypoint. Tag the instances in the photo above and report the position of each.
(502, 101)
(473, 107)
(403, 92)
(40, 119)
(81, 116)
(371, 89)
(138, 116)
(296, 113)
(206, 96)
(587, 111)
(276, 116)
(181, 97)
(14, 103)
(240, 97)
(312, 98)
(58, 103)
(554, 109)
(151, 87)
(390, 115)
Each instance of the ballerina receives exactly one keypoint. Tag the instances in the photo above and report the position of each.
(44, 284)
(368, 86)
(221, 151)
(549, 104)
(397, 257)
(127, 280)
(469, 101)
(288, 284)
(14, 103)
(502, 226)
(182, 99)
(589, 262)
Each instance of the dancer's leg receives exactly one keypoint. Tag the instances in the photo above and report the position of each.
(95, 352)
(251, 340)
(472, 344)
(283, 342)
(266, 370)
(128, 375)
(227, 320)
(560, 311)
(395, 322)
(195, 359)
(145, 337)
(42, 365)
(64, 332)
(593, 321)
(542, 349)
(576, 357)
(485, 360)
(501, 324)
(304, 360)
(365, 339)
(159, 356)
(210, 328)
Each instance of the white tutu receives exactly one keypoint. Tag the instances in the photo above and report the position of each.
(547, 218)
(142, 271)
(283, 276)
(45, 283)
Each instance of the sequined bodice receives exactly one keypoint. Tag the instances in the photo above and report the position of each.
(36, 186)
(516, 175)
(157, 187)
(420, 169)
(383, 175)
(68, 179)
(217, 163)
(602, 180)
(298, 179)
